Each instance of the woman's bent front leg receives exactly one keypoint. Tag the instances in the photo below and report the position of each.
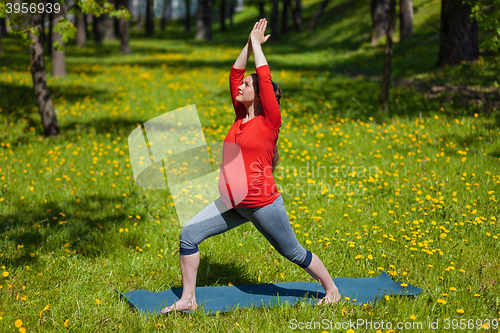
(212, 220)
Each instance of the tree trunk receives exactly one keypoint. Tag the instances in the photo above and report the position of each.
(116, 26)
(150, 17)
(109, 27)
(58, 57)
(297, 16)
(3, 26)
(139, 17)
(80, 26)
(284, 16)
(275, 20)
(49, 36)
(262, 10)
(123, 28)
(3, 32)
(386, 79)
(318, 14)
(98, 29)
(42, 93)
(222, 15)
(405, 19)
(459, 34)
(166, 13)
(204, 21)
(187, 18)
(86, 19)
(380, 19)
(231, 12)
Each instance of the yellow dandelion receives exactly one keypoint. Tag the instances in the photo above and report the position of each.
(97, 301)
(5, 274)
(460, 311)
(404, 285)
(441, 301)
(413, 317)
(22, 330)
(18, 323)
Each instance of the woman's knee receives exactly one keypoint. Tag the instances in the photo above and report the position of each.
(188, 244)
(299, 256)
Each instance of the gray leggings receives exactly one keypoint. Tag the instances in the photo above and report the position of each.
(271, 220)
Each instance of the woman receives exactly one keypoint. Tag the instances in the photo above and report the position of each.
(253, 137)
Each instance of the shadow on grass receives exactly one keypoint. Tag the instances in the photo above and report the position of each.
(69, 227)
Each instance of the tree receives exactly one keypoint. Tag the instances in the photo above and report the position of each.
(187, 17)
(459, 39)
(405, 19)
(204, 20)
(123, 28)
(287, 4)
(318, 13)
(297, 15)
(487, 16)
(386, 79)
(231, 12)
(166, 13)
(1, 47)
(3, 32)
(42, 93)
(81, 27)
(150, 17)
(58, 54)
(98, 29)
(274, 20)
(109, 27)
(31, 38)
(262, 11)
(380, 19)
(222, 15)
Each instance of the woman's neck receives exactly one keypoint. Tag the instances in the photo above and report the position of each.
(253, 110)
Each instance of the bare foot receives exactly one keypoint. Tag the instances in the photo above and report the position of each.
(181, 304)
(330, 298)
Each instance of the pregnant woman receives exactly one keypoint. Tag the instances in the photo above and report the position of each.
(249, 193)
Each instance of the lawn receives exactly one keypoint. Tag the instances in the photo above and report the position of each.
(412, 193)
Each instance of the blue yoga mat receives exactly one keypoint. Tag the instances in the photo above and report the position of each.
(367, 290)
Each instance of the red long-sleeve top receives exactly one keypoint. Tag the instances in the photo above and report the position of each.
(246, 178)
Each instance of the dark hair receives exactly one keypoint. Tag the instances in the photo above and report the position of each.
(277, 93)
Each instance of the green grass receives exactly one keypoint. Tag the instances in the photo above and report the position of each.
(74, 226)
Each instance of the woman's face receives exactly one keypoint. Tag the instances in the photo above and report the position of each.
(246, 91)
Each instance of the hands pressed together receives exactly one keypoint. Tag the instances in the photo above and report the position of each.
(257, 33)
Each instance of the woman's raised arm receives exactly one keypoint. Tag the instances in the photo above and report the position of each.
(270, 106)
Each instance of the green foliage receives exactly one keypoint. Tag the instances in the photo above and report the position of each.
(3, 11)
(67, 31)
(487, 14)
(64, 26)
